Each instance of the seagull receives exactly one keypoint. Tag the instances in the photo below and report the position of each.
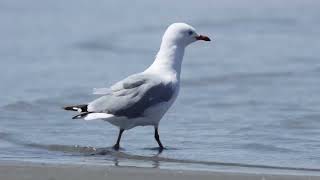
(142, 99)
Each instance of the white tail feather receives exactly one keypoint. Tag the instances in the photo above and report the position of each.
(93, 116)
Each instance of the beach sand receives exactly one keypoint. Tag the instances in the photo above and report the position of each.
(13, 170)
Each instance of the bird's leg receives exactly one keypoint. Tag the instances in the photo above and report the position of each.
(117, 145)
(157, 137)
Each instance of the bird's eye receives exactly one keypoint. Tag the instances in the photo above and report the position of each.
(190, 33)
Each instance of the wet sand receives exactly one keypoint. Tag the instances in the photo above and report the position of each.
(13, 170)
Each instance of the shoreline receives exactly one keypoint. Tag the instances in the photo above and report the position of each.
(22, 170)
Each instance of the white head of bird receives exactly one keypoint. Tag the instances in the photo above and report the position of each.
(174, 41)
(181, 34)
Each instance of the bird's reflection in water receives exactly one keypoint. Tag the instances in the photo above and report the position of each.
(117, 157)
(120, 158)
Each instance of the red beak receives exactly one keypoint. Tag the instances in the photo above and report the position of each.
(203, 38)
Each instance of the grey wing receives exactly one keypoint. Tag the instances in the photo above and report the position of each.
(132, 96)
(128, 83)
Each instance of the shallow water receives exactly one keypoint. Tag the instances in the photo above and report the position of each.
(250, 97)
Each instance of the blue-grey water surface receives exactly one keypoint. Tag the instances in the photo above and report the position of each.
(251, 96)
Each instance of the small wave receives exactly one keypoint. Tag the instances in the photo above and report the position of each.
(264, 147)
(96, 45)
(310, 121)
(4, 135)
(42, 104)
(232, 104)
(156, 158)
(236, 77)
(104, 45)
(317, 69)
(92, 151)
(19, 105)
(304, 59)
(70, 149)
(244, 21)
(24, 106)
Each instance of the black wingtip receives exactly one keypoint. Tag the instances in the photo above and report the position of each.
(77, 117)
(68, 108)
(80, 108)
(80, 116)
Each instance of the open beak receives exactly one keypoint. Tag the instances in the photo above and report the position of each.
(203, 38)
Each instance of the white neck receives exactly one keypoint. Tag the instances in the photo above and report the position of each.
(168, 60)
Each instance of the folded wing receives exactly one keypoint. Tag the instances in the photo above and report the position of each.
(132, 96)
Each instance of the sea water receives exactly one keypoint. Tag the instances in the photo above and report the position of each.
(248, 97)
